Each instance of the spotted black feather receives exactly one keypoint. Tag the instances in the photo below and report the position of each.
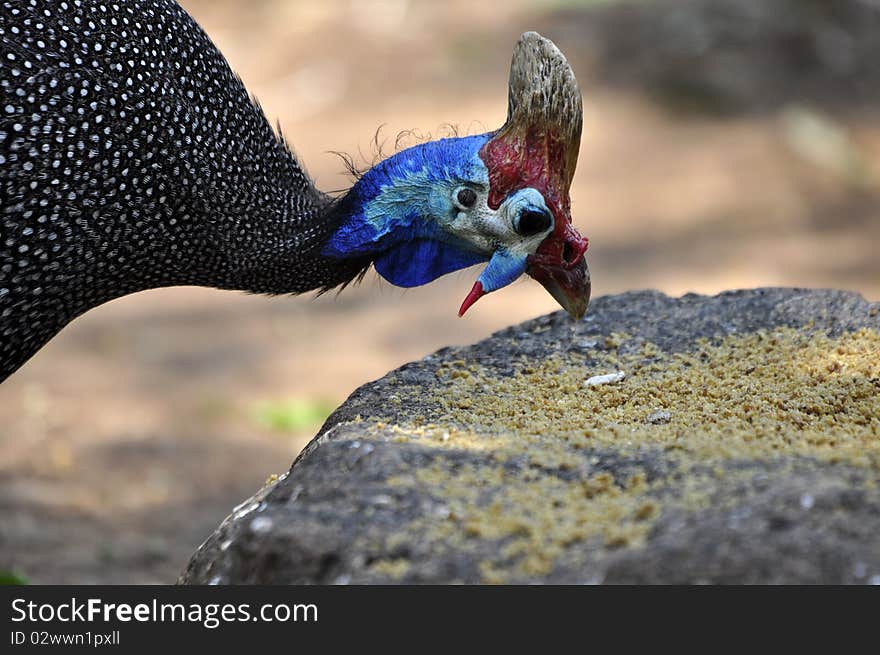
(132, 157)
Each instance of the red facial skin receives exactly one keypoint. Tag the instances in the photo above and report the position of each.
(539, 160)
(536, 159)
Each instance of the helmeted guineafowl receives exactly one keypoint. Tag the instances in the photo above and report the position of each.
(132, 157)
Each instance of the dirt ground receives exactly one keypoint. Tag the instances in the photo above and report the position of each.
(132, 434)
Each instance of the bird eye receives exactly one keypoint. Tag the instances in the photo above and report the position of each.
(466, 197)
(531, 222)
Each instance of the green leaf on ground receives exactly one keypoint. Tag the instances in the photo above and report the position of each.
(294, 414)
(10, 578)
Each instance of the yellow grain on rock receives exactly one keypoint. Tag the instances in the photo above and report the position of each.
(757, 396)
(393, 568)
(747, 396)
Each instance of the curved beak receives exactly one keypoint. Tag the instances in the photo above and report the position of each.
(561, 268)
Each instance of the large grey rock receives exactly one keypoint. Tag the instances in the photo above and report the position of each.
(418, 477)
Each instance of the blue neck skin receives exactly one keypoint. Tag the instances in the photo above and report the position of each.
(397, 212)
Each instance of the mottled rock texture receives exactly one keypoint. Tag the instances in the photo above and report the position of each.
(742, 446)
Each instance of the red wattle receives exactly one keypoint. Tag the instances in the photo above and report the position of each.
(475, 294)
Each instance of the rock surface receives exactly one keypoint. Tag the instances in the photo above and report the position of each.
(741, 446)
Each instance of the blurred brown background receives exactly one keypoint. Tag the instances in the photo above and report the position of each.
(727, 143)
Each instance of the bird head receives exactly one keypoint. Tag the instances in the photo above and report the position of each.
(501, 197)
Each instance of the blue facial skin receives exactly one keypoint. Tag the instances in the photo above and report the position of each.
(503, 269)
(397, 212)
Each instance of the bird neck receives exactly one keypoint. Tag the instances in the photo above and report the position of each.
(247, 217)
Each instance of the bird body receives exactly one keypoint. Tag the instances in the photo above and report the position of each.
(132, 157)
